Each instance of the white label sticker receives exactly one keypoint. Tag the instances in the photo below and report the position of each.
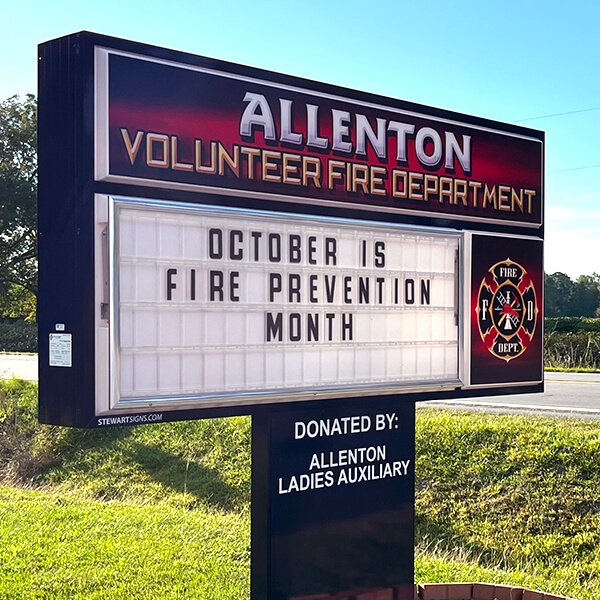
(61, 350)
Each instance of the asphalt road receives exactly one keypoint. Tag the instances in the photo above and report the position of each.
(567, 394)
(574, 395)
(24, 366)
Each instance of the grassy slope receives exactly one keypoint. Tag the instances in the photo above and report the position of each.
(57, 546)
(142, 513)
(162, 511)
(518, 493)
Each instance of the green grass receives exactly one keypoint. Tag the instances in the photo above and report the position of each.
(571, 370)
(433, 565)
(191, 464)
(519, 494)
(149, 512)
(162, 511)
(195, 463)
(58, 546)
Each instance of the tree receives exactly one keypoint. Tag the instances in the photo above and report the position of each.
(559, 289)
(586, 296)
(567, 298)
(18, 303)
(18, 195)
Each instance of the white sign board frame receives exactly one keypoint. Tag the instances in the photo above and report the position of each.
(289, 307)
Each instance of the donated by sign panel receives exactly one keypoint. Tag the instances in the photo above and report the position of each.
(184, 127)
(211, 303)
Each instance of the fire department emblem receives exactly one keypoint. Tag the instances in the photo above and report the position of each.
(507, 310)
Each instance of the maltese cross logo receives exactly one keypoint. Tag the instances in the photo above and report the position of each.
(507, 310)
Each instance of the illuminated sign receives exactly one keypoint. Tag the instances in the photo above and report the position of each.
(217, 240)
(215, 237)
(213, 305)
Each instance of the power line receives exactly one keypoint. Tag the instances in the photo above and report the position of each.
(562, 114)
(571, 112)
(573, 169)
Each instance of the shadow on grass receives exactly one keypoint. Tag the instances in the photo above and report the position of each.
(101, 460)
(92, 454)
(186, 476)
(76, 439)
(67, 443)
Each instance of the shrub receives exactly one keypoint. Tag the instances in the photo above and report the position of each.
(24, 451)
(18, 337)
(572, 350)
(571, 325)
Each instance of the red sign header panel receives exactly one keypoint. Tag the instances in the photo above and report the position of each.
(166, 124)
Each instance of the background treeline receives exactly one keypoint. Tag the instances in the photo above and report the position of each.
(564, 297)
(570, 342)
(572, 334)
(573, 341)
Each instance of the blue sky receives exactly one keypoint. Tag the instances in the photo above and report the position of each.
(507, 60)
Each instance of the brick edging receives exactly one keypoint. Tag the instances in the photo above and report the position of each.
(441, 591)
(480, 591)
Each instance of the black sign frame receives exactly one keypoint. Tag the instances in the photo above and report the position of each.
(69, 185)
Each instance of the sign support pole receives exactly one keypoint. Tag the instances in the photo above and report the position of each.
(260, 506)
(333, 501)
